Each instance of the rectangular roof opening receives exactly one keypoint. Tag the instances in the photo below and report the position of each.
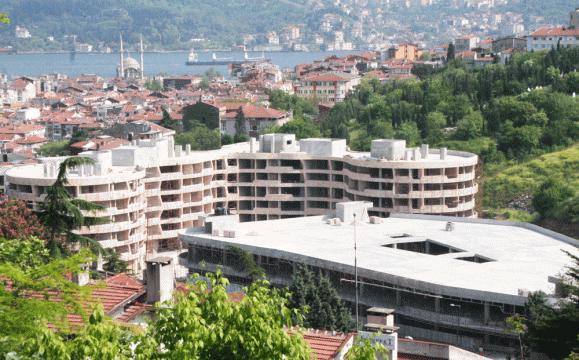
(427, 246)
(479, 259)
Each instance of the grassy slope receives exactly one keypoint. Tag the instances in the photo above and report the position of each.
(523, 179)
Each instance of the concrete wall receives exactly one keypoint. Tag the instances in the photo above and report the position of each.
(323, 147)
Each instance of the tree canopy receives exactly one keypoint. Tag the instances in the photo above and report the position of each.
(323, 307)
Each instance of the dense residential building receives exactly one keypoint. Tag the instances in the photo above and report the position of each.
(254, 118)
(153, 189)
(451, 280)
(509, 42)
(404, 52)
(327, 87)
(550, 37)
(466, 43)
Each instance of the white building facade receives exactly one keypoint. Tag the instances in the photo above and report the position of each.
(151, 190)
(549, 37)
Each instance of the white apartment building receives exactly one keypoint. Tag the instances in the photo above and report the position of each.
(327, 87)
(151, 189)
(548, 37)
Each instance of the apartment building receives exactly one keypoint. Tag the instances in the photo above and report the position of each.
(327, 87)
(151, 189)
(409, 52)
(549, 37)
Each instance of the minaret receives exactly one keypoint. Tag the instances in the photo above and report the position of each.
(142, 63)
(122, 74)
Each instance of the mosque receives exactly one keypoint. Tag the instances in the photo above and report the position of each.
(129, 68)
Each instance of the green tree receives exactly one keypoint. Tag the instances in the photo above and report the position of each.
(549, 197)
(205, 324)
(153, 85)
(4, 18)
(517, 324)
(55, 148)
(243, 262)
(200, 138)
(25, 254)
(281, 100)
(366, 349)
(25, 269)
(114, 264)
(519, 142)
(450, 52)
(409, 132)
(302, 128)
(552, 329)
(435, 123)
(62, 213)
(99, 339)
(470, 127)
(168, 122)
(315, 294)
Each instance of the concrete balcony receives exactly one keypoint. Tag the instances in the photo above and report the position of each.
(192, 188)
(169, 205)
(152, 192)
(281, 170)
(171, 176)
(112, 195)
(171, 220)
(171, 191)
(111, 227)
(266, 182)
(153, 221)
(279, 197)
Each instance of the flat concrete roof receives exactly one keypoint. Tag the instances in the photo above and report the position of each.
(522, 258)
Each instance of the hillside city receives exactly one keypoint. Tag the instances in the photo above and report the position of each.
(414, 196)
(305, 25)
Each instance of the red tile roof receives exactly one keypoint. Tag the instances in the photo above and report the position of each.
(326, 346)
(261, 112)
(328, 77)
(105, 143)
(31, 140)
(556, 31)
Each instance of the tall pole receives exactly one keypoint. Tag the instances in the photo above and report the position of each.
(356, 274)
(122, 51)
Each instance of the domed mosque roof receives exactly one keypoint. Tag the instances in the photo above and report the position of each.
(131, 63)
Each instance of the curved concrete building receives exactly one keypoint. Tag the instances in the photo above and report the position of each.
(451, 280)
(151, 189)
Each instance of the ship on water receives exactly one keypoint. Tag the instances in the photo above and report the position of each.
(193, 59)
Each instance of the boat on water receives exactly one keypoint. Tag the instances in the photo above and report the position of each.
(193, 59)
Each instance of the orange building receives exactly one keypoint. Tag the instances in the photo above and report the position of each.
(404, 52)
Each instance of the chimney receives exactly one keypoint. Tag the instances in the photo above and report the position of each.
(160, 275)
(82, 277)
(443, 152)
(424, 151)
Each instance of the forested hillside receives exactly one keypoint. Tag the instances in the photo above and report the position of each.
(167, 23)
(508, 114)
(170, 24)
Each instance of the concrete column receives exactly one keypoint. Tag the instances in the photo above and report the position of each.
(437, 305)
(398, 298)
(487, 312)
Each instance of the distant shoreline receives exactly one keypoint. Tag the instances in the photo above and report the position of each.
(169, 52)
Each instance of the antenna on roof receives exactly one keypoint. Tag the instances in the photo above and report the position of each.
(356, 274)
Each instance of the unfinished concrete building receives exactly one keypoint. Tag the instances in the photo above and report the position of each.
(151, 189)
